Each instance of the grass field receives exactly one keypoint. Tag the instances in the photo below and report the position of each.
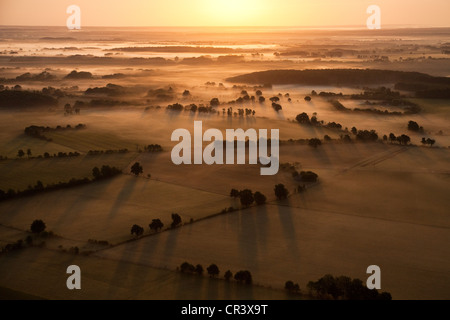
(18, 174)
(106, 210)
(36, 272)
(306, 244)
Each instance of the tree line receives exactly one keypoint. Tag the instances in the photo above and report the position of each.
(242, 276)
(99, 174)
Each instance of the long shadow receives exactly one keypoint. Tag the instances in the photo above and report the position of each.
(247, 238)
(82, 202)
(285, 214)
(123, 196)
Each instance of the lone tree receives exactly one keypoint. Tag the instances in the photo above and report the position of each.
(156, 225)
(281, 192)
(414, 126)
(431, 142)
(259, 198)
(307, 98)
(214, 102)
(246, 197)
(37, 226)
(228, 275)
(29, 153)
(137, 230)
(176, 220)
(213, 270)
(20, 153)
(303, 118)
(136, 169)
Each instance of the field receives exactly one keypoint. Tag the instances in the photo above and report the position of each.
(377, 201)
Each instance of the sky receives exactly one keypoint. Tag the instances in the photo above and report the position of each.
(290, 13)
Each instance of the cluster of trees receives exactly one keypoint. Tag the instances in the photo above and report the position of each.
(109, 151)
(303, 118)
(366, 135)
(37, 227)
(242, 276)
(156, 225)
(314, 142)
(247, 197)
(201, 108)
(414, 126)
(292, 287)
(21, 154)
(99, 242)
(340, 77)
(69, 110)
(306, 176)
(153, 148)
(240, 112)
(23, 99)
(105, 172)
(37, 131)
(344, 288)
(402, 139)
(428, 141)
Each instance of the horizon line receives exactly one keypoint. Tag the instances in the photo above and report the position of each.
(388, 26)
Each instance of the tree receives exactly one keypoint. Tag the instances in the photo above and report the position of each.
(214, 102)
(392, 137)
(176, 220)
(302, 118)
(156, 225)
(199, 269)
(29, 153)
(281, 192)
(354, 130)
(228, 275)
(261, 99)
(246, 197)
(186, 267)
(37, 226)
(234, 193)
(385, 137)
(213, 270)
(413, 126)
(20, 153)
(243, 276)
(96, 173)
(186, 93)
(259, 198)
(274, 99)
(403, 139)
(308, 98)
(314, 142)
(137, 230)
(431, 142)
(291, 287)
(326, 138)
(258, 93)
(136, 169)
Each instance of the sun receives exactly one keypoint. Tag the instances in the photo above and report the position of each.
(233, 12)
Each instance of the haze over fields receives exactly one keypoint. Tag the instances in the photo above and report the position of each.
(364, 137)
